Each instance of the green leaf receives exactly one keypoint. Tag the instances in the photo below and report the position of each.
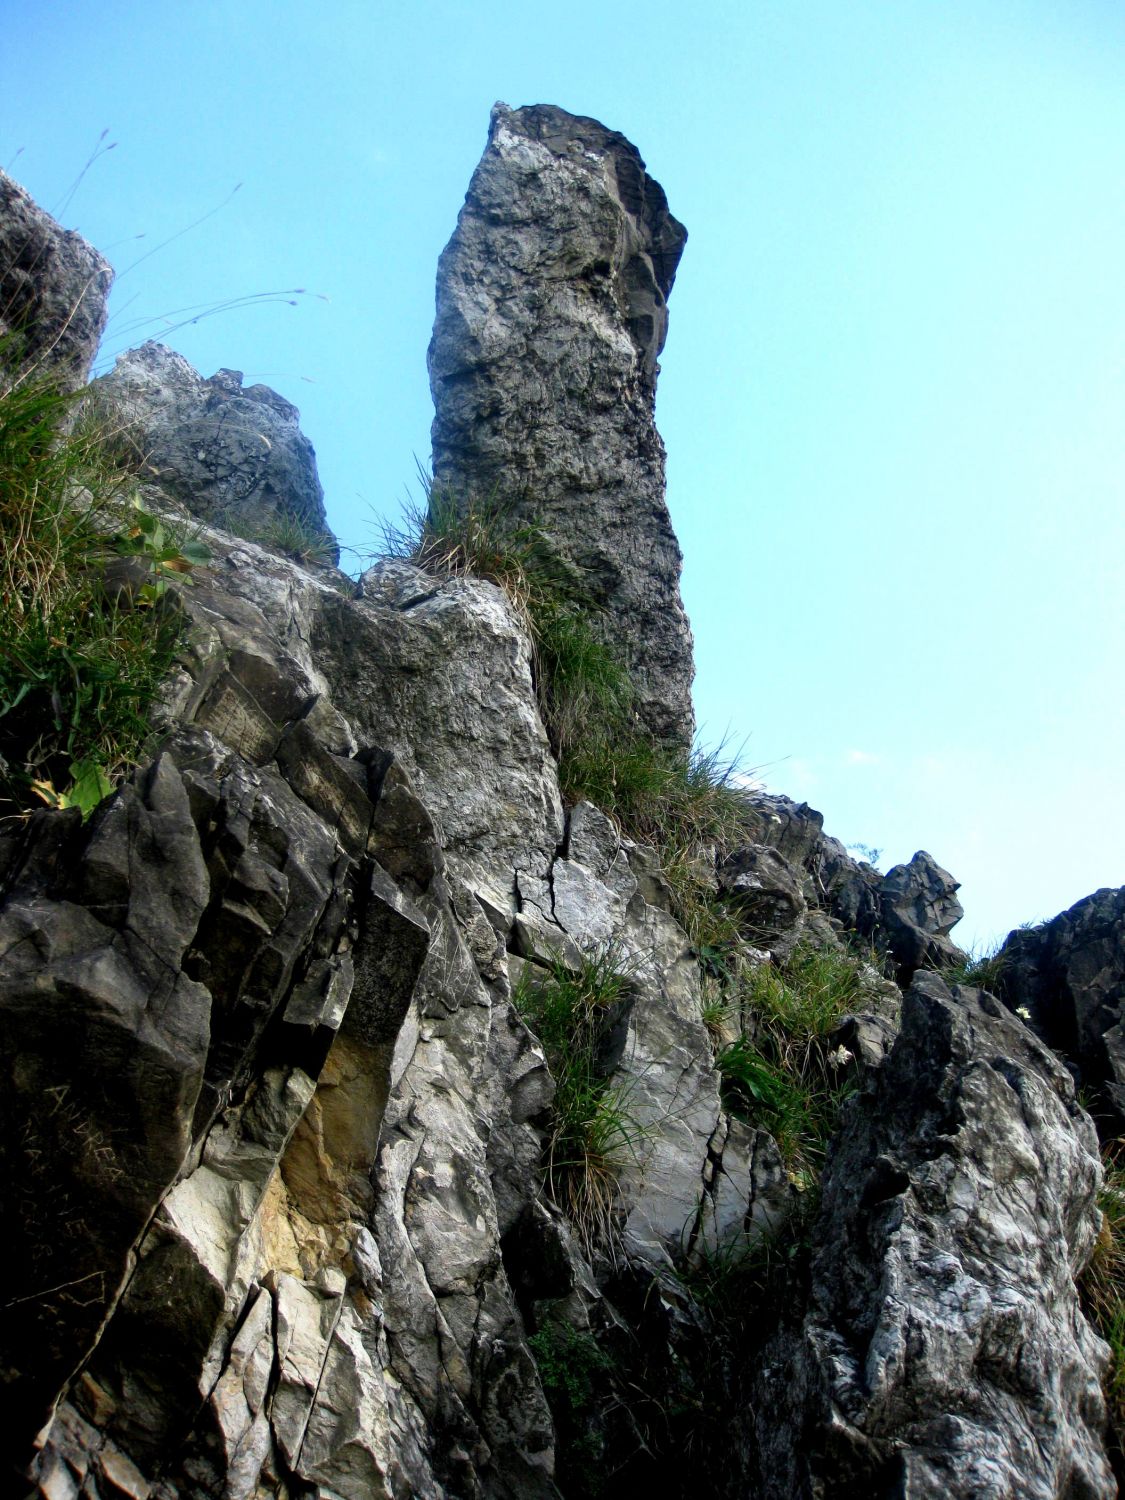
(90, 785)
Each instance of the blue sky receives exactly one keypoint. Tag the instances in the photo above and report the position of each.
(892, 392)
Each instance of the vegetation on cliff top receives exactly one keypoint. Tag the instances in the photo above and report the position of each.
(82, 651)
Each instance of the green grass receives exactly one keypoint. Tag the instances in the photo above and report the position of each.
(780, 1073)
(981, 970)
(592, 1136)
(80, 660)
(288, 532)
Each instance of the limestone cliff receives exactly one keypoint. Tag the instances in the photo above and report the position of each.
(552, 308)
(277, 1104)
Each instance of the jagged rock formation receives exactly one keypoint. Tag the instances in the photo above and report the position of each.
(272, 1124)
(234, 455)
(1069, 976)
(551, 313)
(942, 1351)
(53, 288)
(908, 913)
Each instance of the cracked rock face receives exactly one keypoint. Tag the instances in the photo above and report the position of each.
(271, 1158)
(551, 313)
(943, 1352)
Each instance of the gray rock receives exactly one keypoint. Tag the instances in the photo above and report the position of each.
(439, 674)
(228, 453)
(943, 1352)
(551, 312)
(53, 290)
(766, 892)
(1069, 974)
(918, 909)
(104, 1039)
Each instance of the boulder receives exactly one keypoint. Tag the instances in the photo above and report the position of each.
(917, 910)
(551, 313)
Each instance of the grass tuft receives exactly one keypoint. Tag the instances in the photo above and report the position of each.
(592, 1136)
(781, 1073)
(289, 532)
(1102, 1288)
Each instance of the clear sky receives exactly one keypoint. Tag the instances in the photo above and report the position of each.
(892, 393)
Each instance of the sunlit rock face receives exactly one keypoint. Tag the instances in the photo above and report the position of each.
(942, 1350)
(551, 313)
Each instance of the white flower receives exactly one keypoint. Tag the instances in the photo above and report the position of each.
(840, 1057)
(1023, 1013)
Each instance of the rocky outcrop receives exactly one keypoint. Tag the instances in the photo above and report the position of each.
(943, 1351)
(53, 290)
(234, 455)
(1069, 976)
(551, 313)
(908, 913)
(274, 1125)
(352, 826)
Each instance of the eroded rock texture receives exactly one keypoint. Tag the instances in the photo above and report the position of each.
(551, 313)
(943, 1352)
(53, 289)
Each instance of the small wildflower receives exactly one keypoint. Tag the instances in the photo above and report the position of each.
(1023, 1013)
(840, 1057)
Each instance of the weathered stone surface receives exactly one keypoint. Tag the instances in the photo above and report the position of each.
(104, 1041)
(918, 909)
(551, 313)
(907, 913)
(439, 673)
(230, 454)
(943, 1351)
(1069, 974)
(53, 289)
(274, 974)
(766, 891)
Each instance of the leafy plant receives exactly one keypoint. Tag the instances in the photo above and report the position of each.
(592, 1135)
(168, 555)
(572, 1369)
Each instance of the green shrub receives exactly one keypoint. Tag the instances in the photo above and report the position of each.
(80, 660)
(573, 1371)
(591, 1135)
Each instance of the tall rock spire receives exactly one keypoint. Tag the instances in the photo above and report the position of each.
(551, 314)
